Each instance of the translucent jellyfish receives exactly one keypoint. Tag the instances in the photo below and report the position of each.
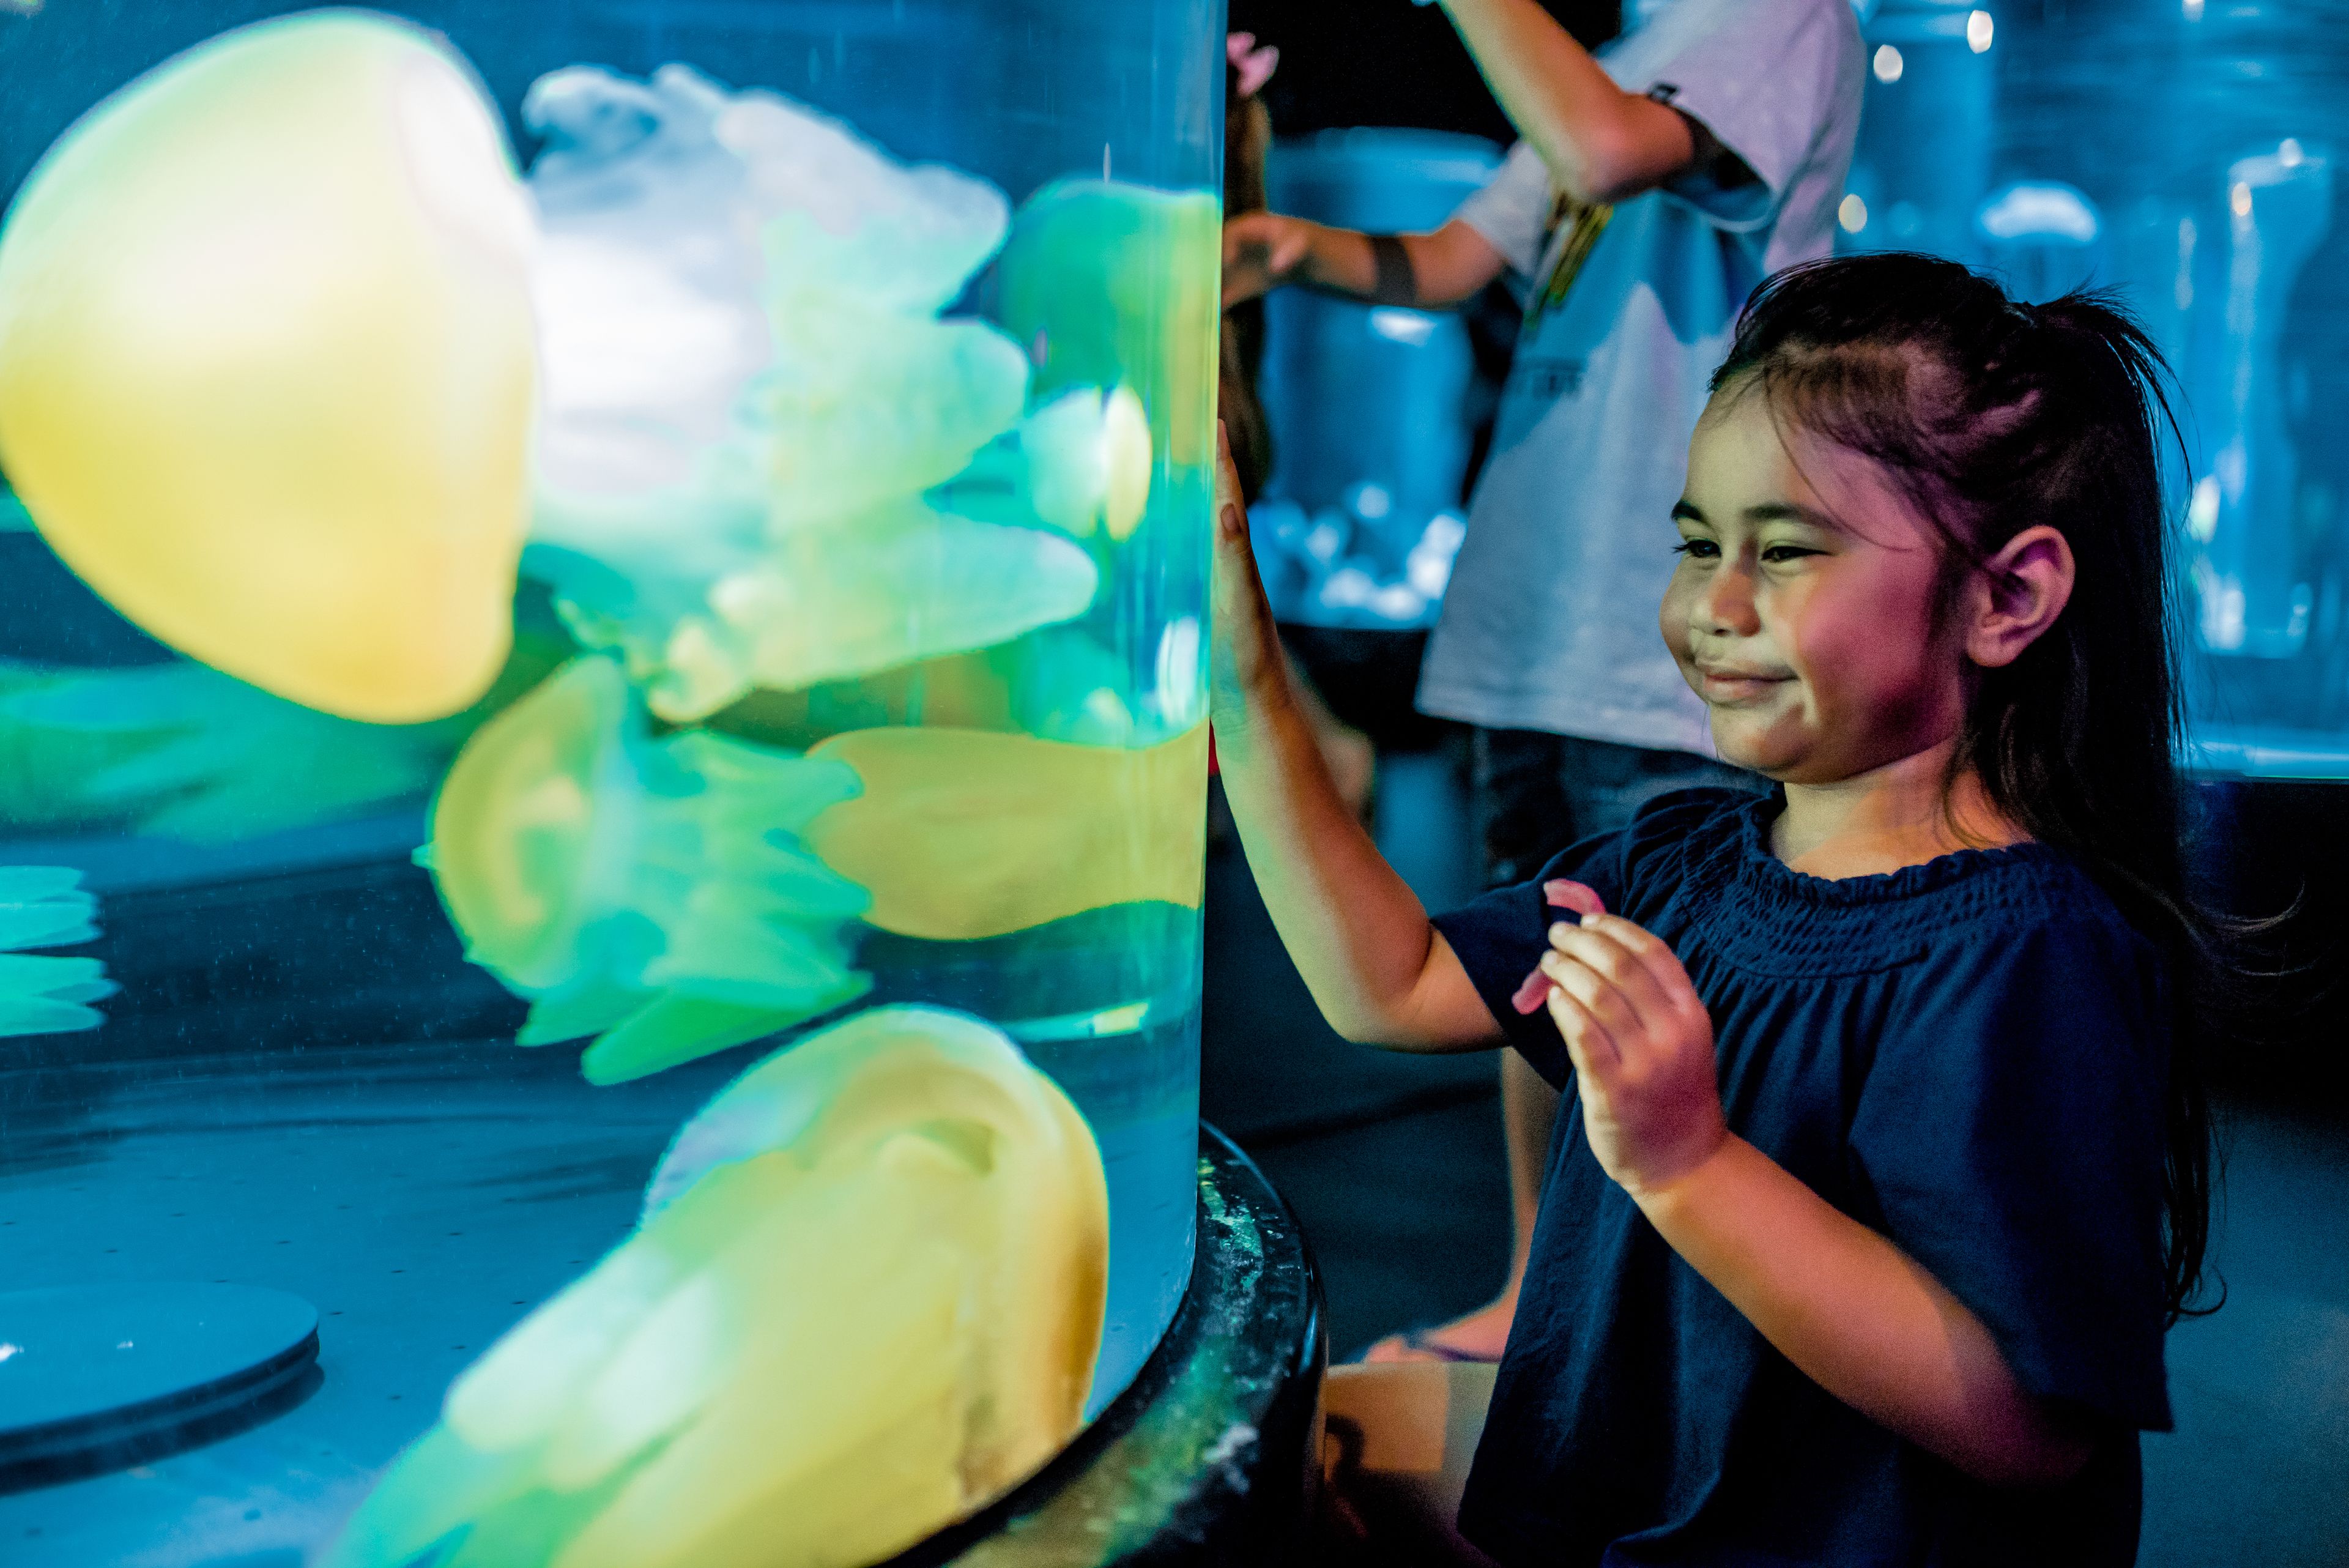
(865, 1299)
(961, 834)
(649, 892)
(46, 906)
(266, 362)
(1081, 463)
(758, 517)
(1110, 284)
(184, 752)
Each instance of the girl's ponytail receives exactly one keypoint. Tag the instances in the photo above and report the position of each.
(1995, 415)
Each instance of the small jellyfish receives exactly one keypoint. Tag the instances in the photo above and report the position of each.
(647, 892)
(1081, 463)
(961, 834)
(266, 362)
(46, 906)
(865, 1299)
(1113, 284)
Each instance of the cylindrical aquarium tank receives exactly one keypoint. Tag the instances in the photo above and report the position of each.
(602, 696)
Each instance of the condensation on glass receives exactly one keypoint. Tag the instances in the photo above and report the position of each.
(602, 679)
(2189, 157)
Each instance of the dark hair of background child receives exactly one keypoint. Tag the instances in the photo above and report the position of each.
(1994, 416)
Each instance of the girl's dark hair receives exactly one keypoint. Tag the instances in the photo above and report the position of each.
(1994, 416)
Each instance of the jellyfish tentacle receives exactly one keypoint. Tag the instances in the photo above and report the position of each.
(651, 892)
(1067, 827)
(766, 521)
(48, 907)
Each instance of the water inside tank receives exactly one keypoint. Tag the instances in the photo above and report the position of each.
(602, 679)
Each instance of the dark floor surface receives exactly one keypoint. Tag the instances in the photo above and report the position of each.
(1394, 1165)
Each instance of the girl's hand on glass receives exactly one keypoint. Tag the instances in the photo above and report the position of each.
(1261, 251)
(1245, 646)
(1641, 1044)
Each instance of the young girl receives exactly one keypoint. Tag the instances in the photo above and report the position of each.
(1885, 1162)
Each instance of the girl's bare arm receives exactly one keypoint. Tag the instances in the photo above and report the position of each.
(1863, 1319)
(1378, 970)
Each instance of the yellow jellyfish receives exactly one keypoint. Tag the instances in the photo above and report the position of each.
(865, 1299)
(649, 892)
(266, 362)
(46, 906)
(961, 834)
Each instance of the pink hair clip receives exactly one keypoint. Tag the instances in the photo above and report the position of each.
(1254, 65)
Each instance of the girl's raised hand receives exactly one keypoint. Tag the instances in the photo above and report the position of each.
(1245, 649)
(1641, 1044)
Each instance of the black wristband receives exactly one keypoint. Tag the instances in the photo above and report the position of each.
(1393, 282)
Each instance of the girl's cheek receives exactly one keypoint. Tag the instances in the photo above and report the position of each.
(1673, 616)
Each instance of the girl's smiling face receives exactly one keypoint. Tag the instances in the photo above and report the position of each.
(1809, 610)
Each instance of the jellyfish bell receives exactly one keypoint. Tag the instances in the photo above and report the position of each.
(266, 362)
(515, 826)
(1113, 283)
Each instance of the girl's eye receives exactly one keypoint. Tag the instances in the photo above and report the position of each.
(1778, 555)
(1697, 549)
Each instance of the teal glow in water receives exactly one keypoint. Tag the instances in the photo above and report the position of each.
(1140, 1092)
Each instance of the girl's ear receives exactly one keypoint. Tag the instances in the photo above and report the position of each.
(2017, 596)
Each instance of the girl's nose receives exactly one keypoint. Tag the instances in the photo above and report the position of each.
(1725, 608)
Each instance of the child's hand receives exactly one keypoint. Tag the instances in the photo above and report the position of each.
(1642, 1047)
(1558, 894)
(1261, 251)
(1245, 646)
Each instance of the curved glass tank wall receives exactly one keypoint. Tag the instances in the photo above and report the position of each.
(2191, 156)
(603, 607)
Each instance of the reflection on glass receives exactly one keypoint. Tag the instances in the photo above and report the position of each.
(2253, 596)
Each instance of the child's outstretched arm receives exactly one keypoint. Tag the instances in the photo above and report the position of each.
(1861, 1318)
(1601, 144)
(1440, 268)
(1379, 970)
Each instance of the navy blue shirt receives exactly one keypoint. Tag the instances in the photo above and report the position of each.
(1968, 1056)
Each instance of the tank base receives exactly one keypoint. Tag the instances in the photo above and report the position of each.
(107, 1377)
